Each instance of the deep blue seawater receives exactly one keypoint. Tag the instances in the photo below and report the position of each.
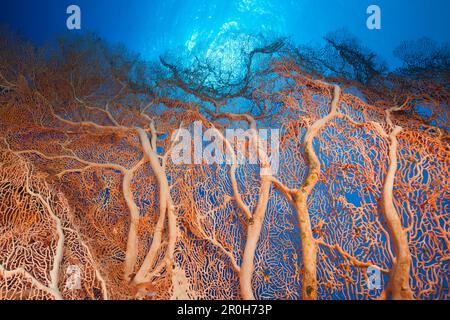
(150, 27)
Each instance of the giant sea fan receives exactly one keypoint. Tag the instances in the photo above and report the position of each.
(87, 180)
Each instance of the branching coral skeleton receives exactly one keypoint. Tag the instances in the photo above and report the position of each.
(359, 186)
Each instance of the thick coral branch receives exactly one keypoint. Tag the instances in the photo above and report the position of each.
(299, 199)
(253, 235)
(398, 285)
(255, 220)
(166, 209)
(309, 246)
(132, 241)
